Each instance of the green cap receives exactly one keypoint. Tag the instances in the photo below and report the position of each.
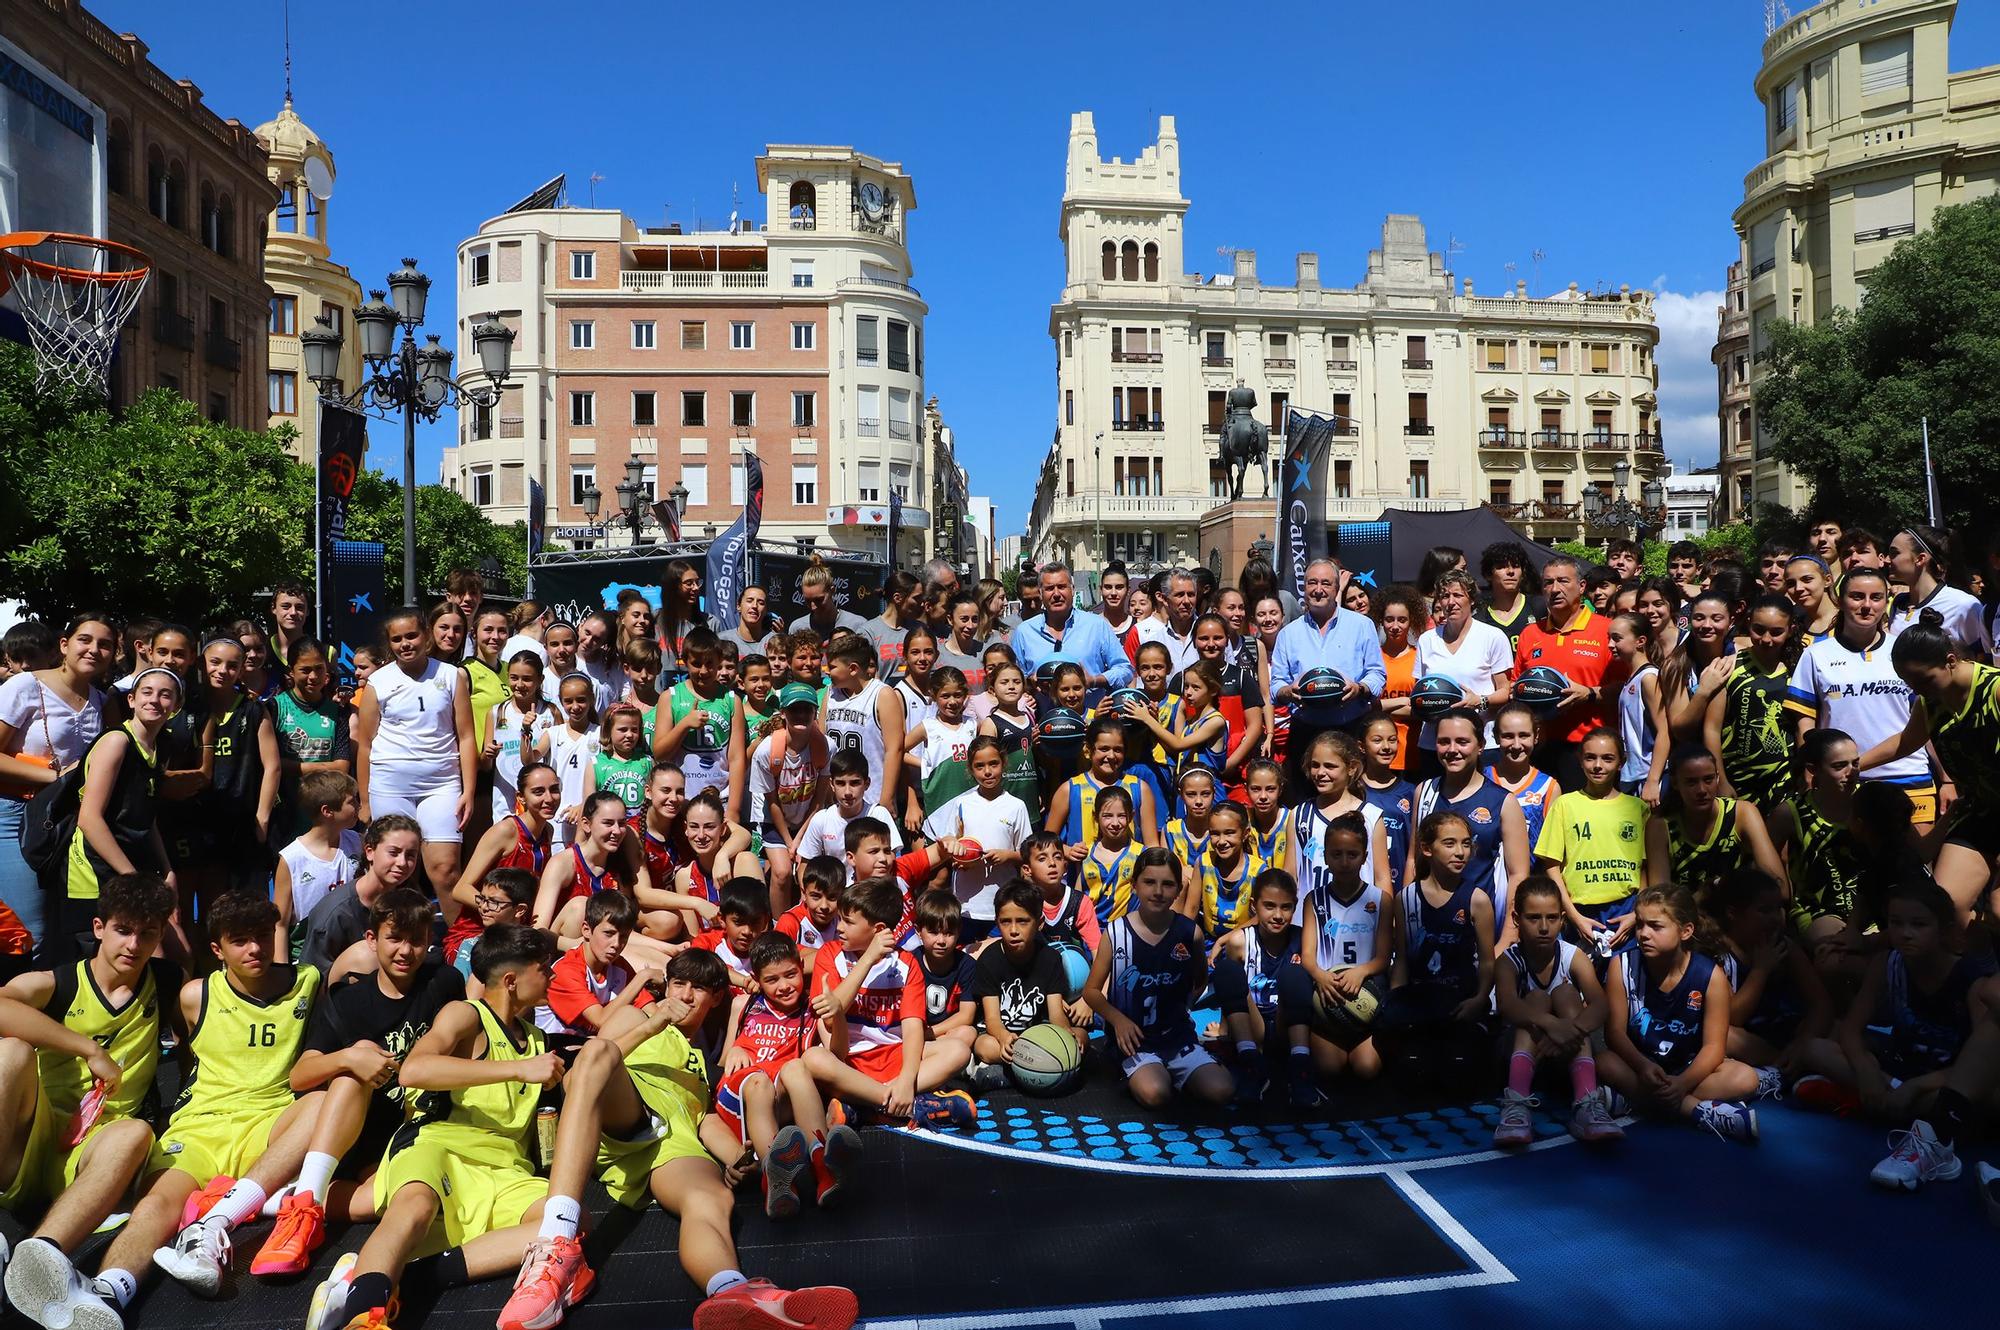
(794, 693)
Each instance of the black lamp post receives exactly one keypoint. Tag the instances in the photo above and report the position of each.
(415, 380)
(1603, 514)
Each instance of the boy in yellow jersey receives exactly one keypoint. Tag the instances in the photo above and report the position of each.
(88, 1032)
(458, 1181)
(1217, 890)
(632, 1109)
(236, 1117)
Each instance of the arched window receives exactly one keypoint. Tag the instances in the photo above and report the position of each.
(176, 212)
(803, 206)
(1110, 261)
(156, 183)
(211, 220)
(315, 220)
(225, 226)
(288, 206)
(118, 158)
(1129, 256)
(1152, 262)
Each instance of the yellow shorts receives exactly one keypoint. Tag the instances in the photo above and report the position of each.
(1923, 804)
(481, 1181)
(46, 1167)
(625, 1167)
(209, 1145)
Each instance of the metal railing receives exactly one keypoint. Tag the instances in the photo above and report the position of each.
(1341, 366)
(173, 329)
(1420, 428)
(1217, 362)
(1135, 357)
(1552, 438)
(1271, 362)
(1498, 436)
(1763, 266)
(1885, 232)
(1604, 438)
(225, 352)
(1139, 426)
(1416, 364)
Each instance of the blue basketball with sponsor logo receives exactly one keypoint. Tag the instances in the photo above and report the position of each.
(1434, 695)
(1541, 689)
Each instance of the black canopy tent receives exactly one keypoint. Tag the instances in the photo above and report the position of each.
(1401, 537)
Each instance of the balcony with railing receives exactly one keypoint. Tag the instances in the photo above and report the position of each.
(1885, 233)
(1416, 364)
(1280, 363)
(1087, 508)
(1499, 436)
(1138, 426)
(1135, 357)
(1603, 440)
(173, 329)
(1420, 428)
(222, 351)
(1558, 440)
(1341, 367)
(644, 280)
(1535, 510)
(1216, 362)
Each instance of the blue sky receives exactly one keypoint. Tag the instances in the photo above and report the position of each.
(1612, 137)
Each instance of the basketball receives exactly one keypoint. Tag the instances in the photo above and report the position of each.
(1046, 1062)
(1321, 685)
(970, 851)
(1434, 695)
(1060, 724)
(1045, 674)
(1541, 689)
(1114, 702)
(1347, 1021)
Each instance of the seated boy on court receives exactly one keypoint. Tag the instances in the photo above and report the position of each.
(236, 1116)
(1548, 993)
(96, 1022)
(815, 921)
(630, 1117)
(746, 913)
(872, 1000)
(354, 1046)
(950, 1010)
(506, 896)
(1018, 981)
(766, 1098)
(458, 1181)
(591, 981)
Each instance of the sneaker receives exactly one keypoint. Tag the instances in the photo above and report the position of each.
(199, 1204)
(300, 1230)
(945, 1108)
(1989, 1192)
(1826, 1094)
(1915, 1157)
(1253, 1077)
(1590, 1119)
(554, 1278)
(1732, 1122)
(1614, 1103)
(375, 1318)
(758, 1304)
(791, 1155)
(198, 1258)
(329, 1301)
(835, 1163)
(45, 1287)
(986, 1076)
(1303, 1085)
(1517, 1122)
(1770, 1083)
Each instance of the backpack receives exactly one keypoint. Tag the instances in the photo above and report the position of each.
(48, 823)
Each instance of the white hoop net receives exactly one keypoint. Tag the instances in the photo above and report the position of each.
(74, 293)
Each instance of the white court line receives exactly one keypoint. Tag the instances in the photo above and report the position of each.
(1487, 1269)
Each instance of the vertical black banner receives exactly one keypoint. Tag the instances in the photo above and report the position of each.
(1302, 497)
(343, 435)
(356, 568)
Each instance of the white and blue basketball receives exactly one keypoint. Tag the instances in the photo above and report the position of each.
(1045, 1062)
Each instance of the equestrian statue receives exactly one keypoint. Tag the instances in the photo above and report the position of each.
(1245, 439)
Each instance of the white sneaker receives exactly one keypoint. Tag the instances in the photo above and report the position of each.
(198, 1258)
(329, 1300)
(1915, 1157)
(1517, 1122)
(1732, 1122)
(45, 1287)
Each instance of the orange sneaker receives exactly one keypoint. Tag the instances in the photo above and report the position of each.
(375, 1318)
(553, 1278)
(205, 1200)
(300, 1230)
(758, 1304)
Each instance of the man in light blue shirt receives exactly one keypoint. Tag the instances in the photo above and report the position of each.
(1329, 637)
(1061, 632)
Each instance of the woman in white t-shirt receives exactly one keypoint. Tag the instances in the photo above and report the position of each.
(414, 751)
(1920, 558)
(48, 720)
(1474, 655)
(1846, 681)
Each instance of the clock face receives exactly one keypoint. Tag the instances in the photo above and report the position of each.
(874, 201)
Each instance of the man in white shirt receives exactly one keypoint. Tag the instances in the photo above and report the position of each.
(1176, 633)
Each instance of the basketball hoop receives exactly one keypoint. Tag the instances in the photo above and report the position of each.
(74, 295)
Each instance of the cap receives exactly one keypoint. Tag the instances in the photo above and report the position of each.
(794, 693)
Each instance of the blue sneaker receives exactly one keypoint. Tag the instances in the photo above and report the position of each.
(1253, 1077)
(1732, 1122)
(945, 1108)
(791, 1156)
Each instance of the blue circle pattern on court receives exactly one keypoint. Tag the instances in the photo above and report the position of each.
(1363, 1143)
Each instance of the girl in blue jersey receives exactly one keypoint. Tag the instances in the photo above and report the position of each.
(1667, 1032)
(1143, 984)
(1779, 1006)
(1388, 793)
(1436, 1012)
(1546, 989)
(1187, 835)
(1499, 832)
(1194, 732)
(1535, 790)
(1072, 812)
(1270, 831)
(1252, 985)
(1347, 936)
(1333, 766)
(1216, 894)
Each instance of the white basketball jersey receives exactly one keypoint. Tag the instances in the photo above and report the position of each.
(1347, 932)
(851, 726)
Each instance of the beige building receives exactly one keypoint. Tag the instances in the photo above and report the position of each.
(306, 284)
(799, 338)
(1735, 411)
(1867, 133)
(1448, 399)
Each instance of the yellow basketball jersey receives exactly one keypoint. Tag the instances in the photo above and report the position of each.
(506, 1110)
(1273, 848)
(1109, 885)
(244, 1049)
(1225, 902)
(130, 1033)
(671, 1077)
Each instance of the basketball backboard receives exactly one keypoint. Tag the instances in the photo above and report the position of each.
(52, 150)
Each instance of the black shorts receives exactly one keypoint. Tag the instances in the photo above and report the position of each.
(1970, 825)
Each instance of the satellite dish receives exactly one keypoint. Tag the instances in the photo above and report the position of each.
(319, 180)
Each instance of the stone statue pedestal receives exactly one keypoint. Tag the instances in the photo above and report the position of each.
(1228, 530)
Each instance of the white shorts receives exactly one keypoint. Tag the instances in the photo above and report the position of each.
(1180, 1066)
(435, 809)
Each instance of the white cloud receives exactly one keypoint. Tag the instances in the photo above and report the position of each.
(1687, 378)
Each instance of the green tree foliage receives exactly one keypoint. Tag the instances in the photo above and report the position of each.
(160, 510)
(1843, 400)
(1738, 537)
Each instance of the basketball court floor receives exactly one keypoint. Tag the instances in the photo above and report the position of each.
(1087, 1212)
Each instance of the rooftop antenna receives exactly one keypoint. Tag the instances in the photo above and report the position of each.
(1452, 249)
(1510, 268)
(594, 178)
(288, 52)
(1776, 14)
(1540, 254)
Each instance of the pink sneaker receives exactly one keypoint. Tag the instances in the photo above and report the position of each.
(761, 1305)
(553, 1279)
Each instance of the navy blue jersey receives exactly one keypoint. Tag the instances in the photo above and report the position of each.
(1153, 983)
(1918, 1031)
(1264, 966)
(943, 992)
(1481, 810)
(1779, 1008)
(1666, 1027)
(1397, 804)
(1442, 941)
